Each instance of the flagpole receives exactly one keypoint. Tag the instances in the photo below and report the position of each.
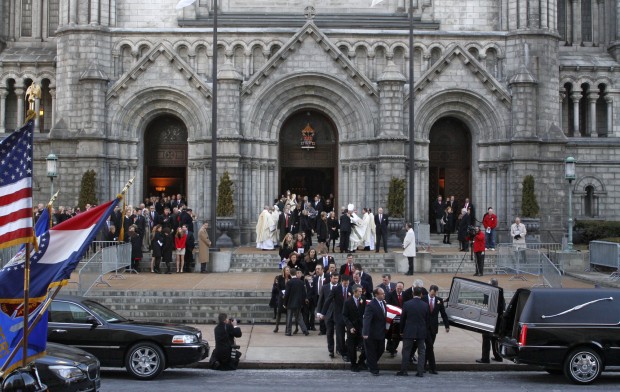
(44, 308)
(26, 300)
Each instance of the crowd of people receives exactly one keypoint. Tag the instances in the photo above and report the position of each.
(162, 225)
(296, 219)
(344, 305)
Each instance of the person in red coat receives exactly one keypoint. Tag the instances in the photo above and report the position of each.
(479, 251)
(489, 221)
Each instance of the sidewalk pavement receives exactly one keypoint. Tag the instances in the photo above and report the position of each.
(263, 349)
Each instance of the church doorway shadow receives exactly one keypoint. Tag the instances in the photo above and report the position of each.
(308, 181)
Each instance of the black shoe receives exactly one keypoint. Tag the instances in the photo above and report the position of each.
(483, 361)
(418, 374)
(498, 359)
(433, 372)
(376, 251)
(331, 355)
(375, 373)
(322, 333)
(288, 334)
(275, 330)
(306, 333)
(345, 358)
(402, 373)
(363, 366)
(296, 332)
(355, 369)
(476, 274)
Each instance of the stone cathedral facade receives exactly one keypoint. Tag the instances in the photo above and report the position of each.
(502, 89)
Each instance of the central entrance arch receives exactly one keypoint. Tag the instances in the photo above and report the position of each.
(313, 170)
(165, 156)
(449, 162)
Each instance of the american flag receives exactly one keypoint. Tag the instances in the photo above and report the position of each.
(16, 187)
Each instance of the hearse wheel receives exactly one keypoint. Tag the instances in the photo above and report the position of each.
(145, 361)
(582, 365)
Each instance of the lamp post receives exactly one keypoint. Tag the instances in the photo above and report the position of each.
(214, 131)
(411, 119)
(569, 174)
(52, 168)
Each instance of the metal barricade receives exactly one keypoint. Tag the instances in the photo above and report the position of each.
(605, 254)
(6, 254)
(524, 262)
(111, 257)
(422, 235)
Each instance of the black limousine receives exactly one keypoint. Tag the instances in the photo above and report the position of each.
(145, 349)
(575, 332)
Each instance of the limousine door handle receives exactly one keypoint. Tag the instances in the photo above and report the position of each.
(59, 330)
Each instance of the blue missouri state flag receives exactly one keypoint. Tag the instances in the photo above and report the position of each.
(60, 250)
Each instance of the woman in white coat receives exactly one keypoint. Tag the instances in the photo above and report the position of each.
(409, 247)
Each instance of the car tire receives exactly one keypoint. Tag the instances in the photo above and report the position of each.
(583, 365)
(145, 361)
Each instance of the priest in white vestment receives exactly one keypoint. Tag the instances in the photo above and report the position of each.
(358, 229)
(275, 216)
(264, 228)
(369, 235)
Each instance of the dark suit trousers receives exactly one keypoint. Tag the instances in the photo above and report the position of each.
(408, 350)
(354, 340)
(430, 351)
(381, 236)
(489, 342)
(289, 320)
(374, 349)
(344, 241)
(332, 326)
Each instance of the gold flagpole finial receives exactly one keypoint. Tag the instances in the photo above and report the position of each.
(53, 199)
(126, 188)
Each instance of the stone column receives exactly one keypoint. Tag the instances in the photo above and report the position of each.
(345, 186)
(484, 178)
(391, 85)
(37, 16)
(53, 111)
(494, 188)
(592, 98)
(37, 106)
(576, 4)
(524, 104)
(595, 26)
(20, 106)
(575, 97)
(3, 94)
(610, 101)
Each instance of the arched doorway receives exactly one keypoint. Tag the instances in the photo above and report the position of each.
(165, 156)
(449, 162)
(308, 169)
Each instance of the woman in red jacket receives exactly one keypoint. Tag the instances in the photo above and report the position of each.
(179, 243)
(479, 251)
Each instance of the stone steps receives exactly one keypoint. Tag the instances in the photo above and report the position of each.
(372, 263)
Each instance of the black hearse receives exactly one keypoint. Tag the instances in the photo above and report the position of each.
(570, 331)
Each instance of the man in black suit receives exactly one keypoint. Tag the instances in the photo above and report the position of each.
(294, 298)
(414, 322)
(386, 284)
(190, 244)
(325, 259)
(436, 307)
(284, 223)
(373, 330)
(331, 311)
(381, 227)
(352, 315)
(366, 287)
(321, 282)
(345, 231)
(489, 341)
(365, 276)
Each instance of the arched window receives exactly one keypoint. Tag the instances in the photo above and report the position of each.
(399, 59)
(53, 17)
(586, 20)
(258, 58)
(601, 111)
(491, 62)
(589, 203)
(26, 25)
(380, 60)
(474, 52)
(361, 59)
(126, 59)
(562, 18)
(239, 59)
(435, 55)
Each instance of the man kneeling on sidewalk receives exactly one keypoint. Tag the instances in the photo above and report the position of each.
(225, 356)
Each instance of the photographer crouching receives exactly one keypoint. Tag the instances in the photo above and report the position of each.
(226, 355)
(479, 244)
